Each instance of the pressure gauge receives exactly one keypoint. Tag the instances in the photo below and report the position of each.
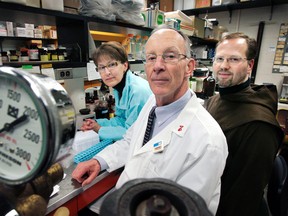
(37, 120)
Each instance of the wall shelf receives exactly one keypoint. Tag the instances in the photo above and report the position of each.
(59, 14)
(201, 41)
(235, 6)
(72, 29)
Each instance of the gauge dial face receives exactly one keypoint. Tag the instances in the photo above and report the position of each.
(22, 134)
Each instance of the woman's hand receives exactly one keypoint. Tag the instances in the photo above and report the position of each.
(90, 124)
(86, 172)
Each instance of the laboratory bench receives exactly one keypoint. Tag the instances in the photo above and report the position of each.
(73, 197)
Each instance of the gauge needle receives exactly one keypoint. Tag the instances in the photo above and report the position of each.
(10, 126)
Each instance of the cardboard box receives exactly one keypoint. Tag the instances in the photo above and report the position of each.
(185, 20)
(38, 35)
(145, 17)
(71, 10)
(189, 4)
(155, 18)
(203, 3)
(72, 4)
(33, 3)
(29, 26)
(51, 34)
(199, 25)
(166, 5)
(216, 2)
(53, 5)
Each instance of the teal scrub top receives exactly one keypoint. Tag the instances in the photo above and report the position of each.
(135, 94)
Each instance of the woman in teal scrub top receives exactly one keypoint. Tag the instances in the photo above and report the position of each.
(130, 91)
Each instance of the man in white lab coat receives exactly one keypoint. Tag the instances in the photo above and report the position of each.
(186, 145)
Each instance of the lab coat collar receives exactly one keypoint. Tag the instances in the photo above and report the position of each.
(179, 126)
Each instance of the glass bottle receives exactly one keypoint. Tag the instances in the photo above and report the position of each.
(111, 106)
(4, 57)
(13, 55)
(43, 54)
(209, 85)
(95, 95)
(62, 50)
(60, 53)
(33, 52)
(24, 55)
(54, 55)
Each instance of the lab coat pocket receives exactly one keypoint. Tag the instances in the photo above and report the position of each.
(156, 165)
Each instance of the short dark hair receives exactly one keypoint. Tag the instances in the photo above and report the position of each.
(188, 42)
(251, 43)
(112, 49)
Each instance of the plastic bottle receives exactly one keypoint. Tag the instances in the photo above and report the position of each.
(137, 47)
(131, 46)
(209, 84)
(143, 43)
(192, 83)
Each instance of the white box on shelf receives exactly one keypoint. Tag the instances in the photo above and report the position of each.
(185, 20)
(29, 26)
(30, 33)
(20, 32)
(16, 1)
(38, 33)
(3, 32)
(9, 27)
(53, 5)
(33, 3)
(216, 2)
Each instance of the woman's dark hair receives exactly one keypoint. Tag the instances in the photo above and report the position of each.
(112, 49)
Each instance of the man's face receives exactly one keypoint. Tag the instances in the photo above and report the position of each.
(230, 65)
(168, 80)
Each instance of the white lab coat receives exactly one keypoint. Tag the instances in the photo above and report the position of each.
(194, 154)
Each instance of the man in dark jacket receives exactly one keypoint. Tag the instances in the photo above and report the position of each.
(246, 115)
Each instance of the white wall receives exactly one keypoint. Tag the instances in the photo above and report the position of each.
(247, 21)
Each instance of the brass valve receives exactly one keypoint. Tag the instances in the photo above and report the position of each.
(31, 199)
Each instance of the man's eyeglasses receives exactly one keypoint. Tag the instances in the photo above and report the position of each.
(110, 66)
(230, 60)
(168, 57)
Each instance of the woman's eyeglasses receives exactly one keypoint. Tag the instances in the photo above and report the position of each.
(110, 66)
